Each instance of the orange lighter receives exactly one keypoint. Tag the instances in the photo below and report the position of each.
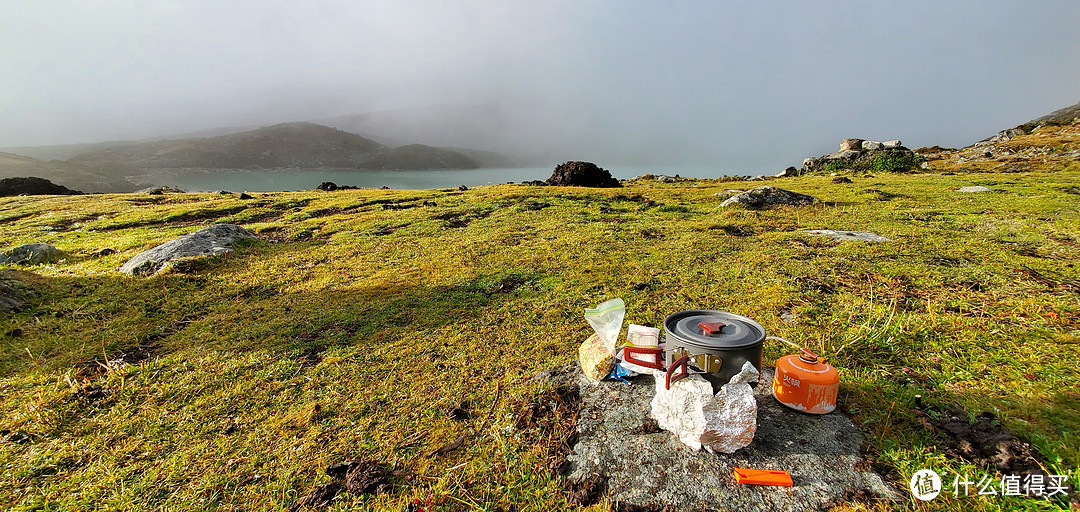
(762, 477)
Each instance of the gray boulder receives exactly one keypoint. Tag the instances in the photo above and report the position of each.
(769, 196)
(892, 144)
(216, 239)
(872, 145)
(32, 254)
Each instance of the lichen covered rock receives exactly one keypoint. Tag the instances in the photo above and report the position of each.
(216, 239)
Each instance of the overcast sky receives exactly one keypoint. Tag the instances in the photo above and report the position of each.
(740, 85)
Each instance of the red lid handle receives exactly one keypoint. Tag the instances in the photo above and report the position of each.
(711, 328)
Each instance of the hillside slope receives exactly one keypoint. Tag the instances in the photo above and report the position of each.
(405, 327)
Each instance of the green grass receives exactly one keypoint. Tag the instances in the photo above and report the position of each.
(362, 316)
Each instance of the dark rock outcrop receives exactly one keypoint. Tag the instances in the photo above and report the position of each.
(216, 239)
(32, 186)
(762, 197)
(581, 174)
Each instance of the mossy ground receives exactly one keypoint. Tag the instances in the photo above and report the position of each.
(364, 316)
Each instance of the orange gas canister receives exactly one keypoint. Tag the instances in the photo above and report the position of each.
(806, 383)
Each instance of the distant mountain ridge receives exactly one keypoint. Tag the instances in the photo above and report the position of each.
(287, 145)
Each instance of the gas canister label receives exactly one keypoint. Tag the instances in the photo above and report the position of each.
(791, 381)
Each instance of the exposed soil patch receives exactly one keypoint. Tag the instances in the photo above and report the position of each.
(387, 229)
(365, 477)
(89, 395)
(984, 442)
(319, 497)
(507, 285)
(1050, 279)
(548, 420)
(368, 477)
(13, 218)
(462, 218)
(400, 206)
(258, 292)
(815, 285)
(185, 218)
(881, 195)
(533, 205)
(459, 413)
(585, 492)
(736, 230)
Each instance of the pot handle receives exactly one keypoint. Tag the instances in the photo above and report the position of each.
(672, 376)
(631, 355)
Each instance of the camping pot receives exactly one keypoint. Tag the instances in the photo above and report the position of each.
(806, 383)
(715, 344)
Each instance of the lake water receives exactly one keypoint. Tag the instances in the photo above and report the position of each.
(275, 180)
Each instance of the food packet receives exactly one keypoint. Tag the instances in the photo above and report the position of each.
(641, 354)
(597, 354)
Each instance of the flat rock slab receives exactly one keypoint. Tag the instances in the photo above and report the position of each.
(618, 442)
(974, 189)
(862, 236)
(216, 239)
(762, 197)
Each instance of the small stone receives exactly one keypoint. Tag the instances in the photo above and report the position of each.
(245, 196)
(841, 179)
(974, 189)
(463, 188)
(851, 145)
(892, 144)
(862, 236)
(872, 145)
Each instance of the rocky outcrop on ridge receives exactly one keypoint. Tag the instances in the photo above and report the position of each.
(862, 155)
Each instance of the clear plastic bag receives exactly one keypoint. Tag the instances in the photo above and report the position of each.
(597, 354)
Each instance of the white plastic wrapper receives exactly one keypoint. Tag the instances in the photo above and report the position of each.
(723, 422)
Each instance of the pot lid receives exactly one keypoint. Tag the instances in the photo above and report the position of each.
(716, 329)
